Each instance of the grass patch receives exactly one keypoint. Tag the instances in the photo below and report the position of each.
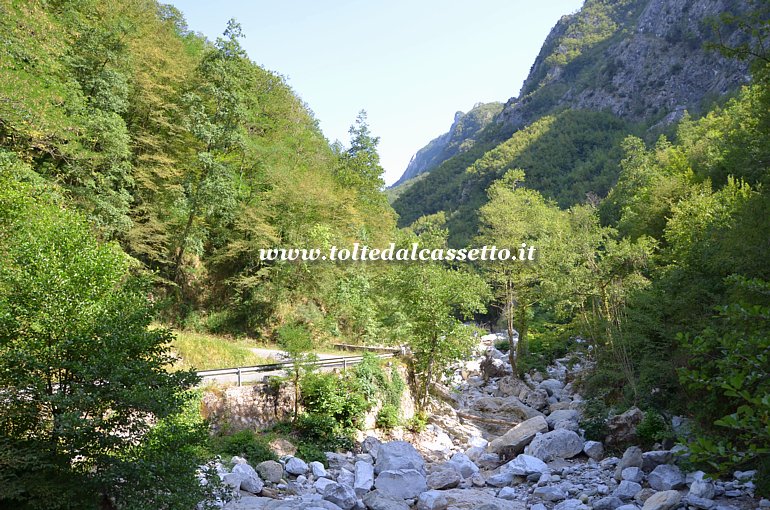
(202, 352)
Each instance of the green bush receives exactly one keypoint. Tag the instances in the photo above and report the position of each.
(503, 346)
(246, 444)
(387, 418)
(653, 429)
(417, 423)
(594, 420)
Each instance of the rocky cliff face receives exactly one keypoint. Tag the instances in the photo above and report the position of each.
(644, 61)
(460, 137)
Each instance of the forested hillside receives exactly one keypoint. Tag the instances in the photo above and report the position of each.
(640, 63)
(186, 153)
(144, 167)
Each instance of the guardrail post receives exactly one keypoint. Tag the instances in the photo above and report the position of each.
(239, 376)
(344, 364)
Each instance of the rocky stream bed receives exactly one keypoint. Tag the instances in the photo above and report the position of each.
(473, 457)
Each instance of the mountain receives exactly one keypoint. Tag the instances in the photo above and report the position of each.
(459, 138)
(609, 70)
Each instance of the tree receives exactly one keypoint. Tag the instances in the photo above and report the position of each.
(83, 375)
(296, 341)
(515, 217)
(433, 300)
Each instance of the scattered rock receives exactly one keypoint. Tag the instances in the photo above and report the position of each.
(492, 367)
(563, 419)
(594, 450)
(432, 500)
(445, 477)
(607, 503)
(364, 478)
(401, 483)
(341, 495)
(513, 442)
(622, 427)
(378, 500)
(398, 455)
(370, 445)
(296, 466)
(665, 500)
(557, 444)
(666, 477)
(270, 471)
(317, 468)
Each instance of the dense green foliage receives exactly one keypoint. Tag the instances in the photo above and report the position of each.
(83, 377)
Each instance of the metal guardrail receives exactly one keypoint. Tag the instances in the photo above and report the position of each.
(343, 361)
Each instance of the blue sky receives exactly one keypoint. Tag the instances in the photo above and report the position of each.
(410, 64)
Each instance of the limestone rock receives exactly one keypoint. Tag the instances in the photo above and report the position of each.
(445, 477)
(432, 500)
(378, 500)
(666, 477)
(594, 449)
(665, 500)
(557, 444)
(398, 455)
(627, 490)
(341, 495)
(516, 439)
(622, 427)
(270, 471)
(250, 480)
(364, 478)
(296, 466)
(401, 483)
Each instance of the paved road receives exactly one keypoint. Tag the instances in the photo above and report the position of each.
(340, 362)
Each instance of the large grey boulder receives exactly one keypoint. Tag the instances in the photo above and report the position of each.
(341, 495)
(557, 444)
(401, 483)
(653, 459)
(702, 489)
(270, 471)
(516, 439)
(346, 477)
(378, 500)
(317, 469)
(626, 490)
(398, 455)
(493, 368)
(563, 419)
(525, 465)
(464, 465)
(549, 493)
(666, 477)
(296, 466)
(665, 500)
(594, 450)
(321, 483)
(445, 477)
(607, 503)
(622, 427)
(432, 500)
(632, 457)
(250, 480)
(571, 504)
(364, 478)
(464, 499)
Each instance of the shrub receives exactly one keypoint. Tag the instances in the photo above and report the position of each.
(246, 444)
(417, 423)
(594, 420)
(653, 429)
(387, 418)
